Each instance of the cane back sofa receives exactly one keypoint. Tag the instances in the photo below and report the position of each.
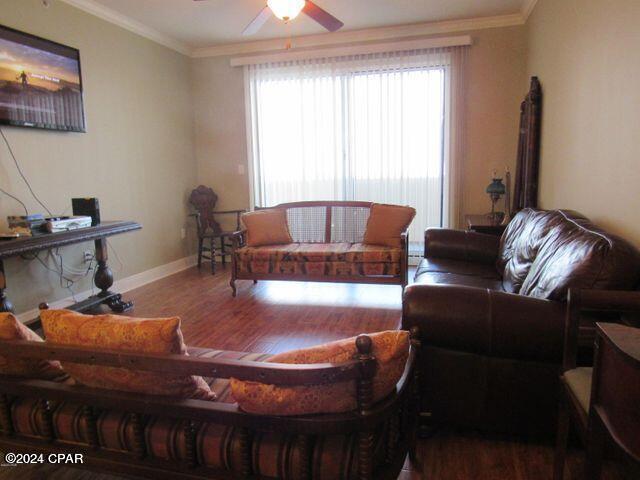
(327, 248)
(168, 438)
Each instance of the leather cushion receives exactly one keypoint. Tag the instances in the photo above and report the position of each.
(577, 254)
(520, 243)
(461, 267)
(440, 278)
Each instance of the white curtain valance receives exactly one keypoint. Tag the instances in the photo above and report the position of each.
(348, 51)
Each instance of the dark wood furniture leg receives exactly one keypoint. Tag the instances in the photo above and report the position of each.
(200, 247)
(103, 279)
(212, 255)
(5, 303)
(222, 252)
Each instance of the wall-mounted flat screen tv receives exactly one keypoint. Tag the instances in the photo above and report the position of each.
(40, 83)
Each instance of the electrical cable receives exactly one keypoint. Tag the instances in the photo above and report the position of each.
(15, 160)
(115, 252)
(64, 277)
(26, 211)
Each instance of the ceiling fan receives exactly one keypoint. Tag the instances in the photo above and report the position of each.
(287, 10)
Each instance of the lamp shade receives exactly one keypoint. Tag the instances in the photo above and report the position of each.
(286, 9)
(496, 187)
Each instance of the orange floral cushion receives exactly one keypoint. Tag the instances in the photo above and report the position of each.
(390, 348)
(114, 332)
(267, 227)
(387, 223)
(13, 329)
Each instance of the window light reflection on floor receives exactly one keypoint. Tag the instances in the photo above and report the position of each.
(332, 294)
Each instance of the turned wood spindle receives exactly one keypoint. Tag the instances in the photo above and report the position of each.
(245, 453)
(139, 447)
(92, 428)
(46, 419)
(367, 371)
(190, 432)
(364, 346)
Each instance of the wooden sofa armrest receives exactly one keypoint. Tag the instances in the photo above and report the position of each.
(238, 239)
(581, 300)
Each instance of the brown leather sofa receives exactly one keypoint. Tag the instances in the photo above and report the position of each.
(491, 315)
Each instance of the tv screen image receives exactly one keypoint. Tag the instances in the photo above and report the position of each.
(40, 83)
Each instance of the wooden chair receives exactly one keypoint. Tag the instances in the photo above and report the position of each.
(602, 402)
(204, 201)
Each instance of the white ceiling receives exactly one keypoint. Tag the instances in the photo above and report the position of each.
(215, 22)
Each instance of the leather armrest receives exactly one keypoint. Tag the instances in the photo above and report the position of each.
(461, 245)
(485, 322)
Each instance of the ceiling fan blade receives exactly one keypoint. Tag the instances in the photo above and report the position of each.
(321, 16)
(258, 22)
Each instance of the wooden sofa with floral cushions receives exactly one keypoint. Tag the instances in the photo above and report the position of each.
(83, 391)
(353, 242)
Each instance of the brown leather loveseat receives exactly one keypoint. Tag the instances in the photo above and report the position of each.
(491, 314)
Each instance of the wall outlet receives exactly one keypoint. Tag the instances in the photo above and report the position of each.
(87, 256)
(183, 233)
(241, 169)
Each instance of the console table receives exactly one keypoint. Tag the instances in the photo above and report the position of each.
(103, 278)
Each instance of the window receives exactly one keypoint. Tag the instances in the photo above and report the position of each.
(370, 128)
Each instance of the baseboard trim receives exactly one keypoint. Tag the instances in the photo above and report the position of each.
(123, 285)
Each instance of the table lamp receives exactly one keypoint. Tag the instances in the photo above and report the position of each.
(495, 190)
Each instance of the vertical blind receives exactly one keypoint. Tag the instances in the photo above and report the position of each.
(376, 127)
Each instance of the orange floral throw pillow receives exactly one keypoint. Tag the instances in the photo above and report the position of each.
(387, 223)
(390, 348)
(138, 335)
(267, 227)
(13, 329)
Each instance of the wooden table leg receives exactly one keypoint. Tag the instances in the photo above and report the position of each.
(5, 303)
(103, 279)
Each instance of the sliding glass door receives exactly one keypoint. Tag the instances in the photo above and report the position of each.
(352, 130)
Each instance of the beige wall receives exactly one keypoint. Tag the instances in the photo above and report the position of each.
(137, 157)
(497, 84)
(586, 55)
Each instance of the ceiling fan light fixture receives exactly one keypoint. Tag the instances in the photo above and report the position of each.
(286, 9)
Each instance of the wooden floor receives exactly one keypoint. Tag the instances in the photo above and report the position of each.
(278, 316)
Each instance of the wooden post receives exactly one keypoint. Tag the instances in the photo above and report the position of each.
(365, 402)
(414, 399)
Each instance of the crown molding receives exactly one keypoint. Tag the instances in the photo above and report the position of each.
(527, 9)
(128, 23)
(307, 41)
(365, 35)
